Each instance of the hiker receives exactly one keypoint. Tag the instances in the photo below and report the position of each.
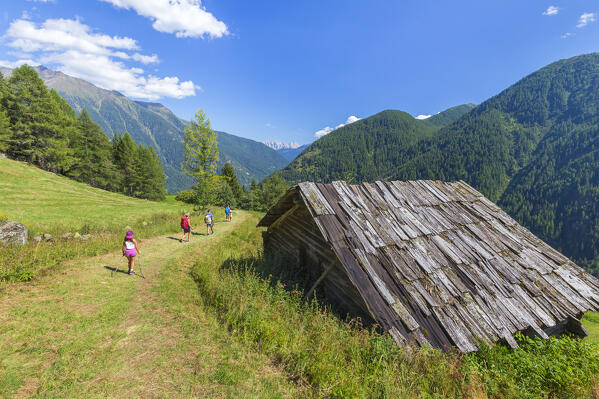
(186, 226)
(130, 250)
(228, 213)
(209, 220)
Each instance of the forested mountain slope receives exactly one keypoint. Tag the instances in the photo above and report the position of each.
(291, 153)
(368, 149)
(532, 148)
(154, 124)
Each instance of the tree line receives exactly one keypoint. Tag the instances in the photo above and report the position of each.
(39, 127)
(212, 188)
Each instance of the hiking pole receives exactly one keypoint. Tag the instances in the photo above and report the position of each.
(141, 273)
(116, 269)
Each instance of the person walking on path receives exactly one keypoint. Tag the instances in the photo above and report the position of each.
(186, 226)
(209, 220)
(228, 213)
(130, 250)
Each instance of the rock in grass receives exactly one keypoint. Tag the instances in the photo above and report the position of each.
(2, 155)
(86, 237)
(48, 237)
(37, 239)
(13, 233)
(66, 236)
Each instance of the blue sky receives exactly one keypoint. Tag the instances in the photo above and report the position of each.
(284, 70)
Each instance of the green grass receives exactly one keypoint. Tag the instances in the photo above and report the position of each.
(590, 321)
(84, 334)
(49, 203)
(170, 198)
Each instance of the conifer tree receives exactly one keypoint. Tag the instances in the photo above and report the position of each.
(94, 155)
(253, 196)
(126, 159)
(152, 177)
(41, 131)
(228, 173)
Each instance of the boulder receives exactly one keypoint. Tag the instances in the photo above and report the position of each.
(2, 155)
(13, 233)
(86, 237)
(37, 239)
(66, 236)
(48, 237)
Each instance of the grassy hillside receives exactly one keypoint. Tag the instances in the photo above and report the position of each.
(46, 202)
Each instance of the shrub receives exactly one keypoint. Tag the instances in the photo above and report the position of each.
(3, 217)
(187, 196)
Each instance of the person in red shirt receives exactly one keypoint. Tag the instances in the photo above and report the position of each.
(186, 226)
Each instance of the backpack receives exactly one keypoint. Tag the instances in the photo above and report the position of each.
(184, 222)
(208, 219)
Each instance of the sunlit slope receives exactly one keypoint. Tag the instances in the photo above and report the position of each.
(46, 202)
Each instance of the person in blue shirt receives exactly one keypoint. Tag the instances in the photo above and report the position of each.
(209, 220)
(228, 213)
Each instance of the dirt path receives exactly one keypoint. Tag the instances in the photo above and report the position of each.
(82, 333)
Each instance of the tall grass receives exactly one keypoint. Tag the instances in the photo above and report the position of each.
(23, 263)
(341, 359)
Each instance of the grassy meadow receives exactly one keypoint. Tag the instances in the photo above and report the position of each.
(214, 318)
(49, 203)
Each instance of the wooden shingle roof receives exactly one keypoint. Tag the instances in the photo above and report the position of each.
(438, 263)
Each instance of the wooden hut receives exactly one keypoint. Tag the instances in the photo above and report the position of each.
(431, 262)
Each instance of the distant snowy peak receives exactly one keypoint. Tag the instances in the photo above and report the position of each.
(279, 145)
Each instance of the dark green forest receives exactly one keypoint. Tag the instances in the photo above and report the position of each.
(532, 149)
(38, 126)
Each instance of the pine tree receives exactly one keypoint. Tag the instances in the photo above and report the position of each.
(272, 188)
(94, 155)
(126, 159)
(228, 173)
(152, 182)
(254, 196)
(41, 130)
(201, 155)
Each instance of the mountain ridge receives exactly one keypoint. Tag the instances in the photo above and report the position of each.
(533, 148)
(152, 123)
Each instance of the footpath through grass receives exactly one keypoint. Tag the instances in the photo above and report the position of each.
(48, 203)
(81, 333)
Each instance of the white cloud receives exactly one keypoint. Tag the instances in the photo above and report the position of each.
(18, 63)
(326, 130)
(98, 58)
(42, 1)
(567, 35)
(552, 10)
(586, 19)
(423, 116)
(184, 18)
